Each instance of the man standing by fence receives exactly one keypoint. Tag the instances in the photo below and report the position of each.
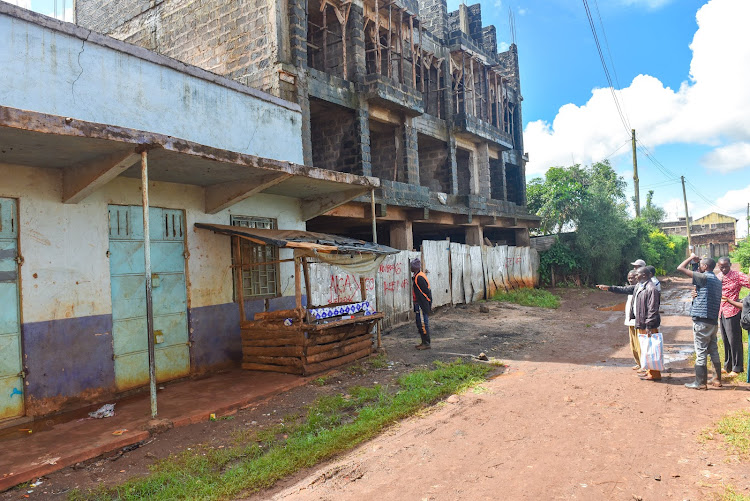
(422, 296)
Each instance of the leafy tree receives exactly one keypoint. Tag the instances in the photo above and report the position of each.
(557, 198)
(651, 213)
(741, 254)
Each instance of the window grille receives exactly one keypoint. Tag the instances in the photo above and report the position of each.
(260, 280)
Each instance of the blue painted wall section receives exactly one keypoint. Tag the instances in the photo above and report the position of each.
(67, 361)
(215, 331)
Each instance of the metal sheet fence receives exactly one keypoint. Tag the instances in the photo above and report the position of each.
(458, 274)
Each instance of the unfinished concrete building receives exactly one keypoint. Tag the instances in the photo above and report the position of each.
(402, 90)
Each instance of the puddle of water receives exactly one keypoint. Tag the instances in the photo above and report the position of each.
(677, 353)
(617, 307)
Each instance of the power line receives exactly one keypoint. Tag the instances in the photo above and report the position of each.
(604, 66)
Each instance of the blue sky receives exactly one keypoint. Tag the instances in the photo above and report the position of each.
(686, 117)
(682, 85)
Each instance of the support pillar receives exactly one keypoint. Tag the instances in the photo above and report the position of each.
(474, 235)
(363, 135)
(483, 170)
(454, 165)
(411, 152)
(523, 239)
(402, 235)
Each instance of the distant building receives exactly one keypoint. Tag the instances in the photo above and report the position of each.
(713, 235)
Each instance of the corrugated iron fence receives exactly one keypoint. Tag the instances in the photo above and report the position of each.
(458, 274)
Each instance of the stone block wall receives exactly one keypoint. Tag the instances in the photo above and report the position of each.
(233, 38)
(475, 23)
(489, 39)
(464, 167)
(497, 179)
(387, 153)
(434, 14)
(434, 165)
(335, 142)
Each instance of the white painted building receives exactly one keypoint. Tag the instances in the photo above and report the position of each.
(77, 111)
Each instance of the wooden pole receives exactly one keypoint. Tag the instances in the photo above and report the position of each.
(149, 287)
(375, 240)
(687, 215)
(343, 42)
(401, 46)
(473, 87)
(390, 39)
(306, 271)
(325, 38)
(378, 55)
(635, 183)
(421, 57)
(413, 54)
(238, 277)
(297, 284)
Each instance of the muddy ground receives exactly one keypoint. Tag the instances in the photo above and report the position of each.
(565, 419)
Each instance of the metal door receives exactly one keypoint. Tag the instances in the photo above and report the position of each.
(127, 271)
(11, 376)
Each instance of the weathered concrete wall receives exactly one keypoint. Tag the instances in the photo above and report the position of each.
(65, 280)
(76, 68)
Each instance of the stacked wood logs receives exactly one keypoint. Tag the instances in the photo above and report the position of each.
(268, 344)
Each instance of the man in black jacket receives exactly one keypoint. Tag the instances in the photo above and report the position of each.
(422, 296)
(645, 304)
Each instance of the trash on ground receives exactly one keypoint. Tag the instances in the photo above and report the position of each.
(119, 432)
(105, 411)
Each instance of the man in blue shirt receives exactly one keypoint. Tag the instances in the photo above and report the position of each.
(705, 313)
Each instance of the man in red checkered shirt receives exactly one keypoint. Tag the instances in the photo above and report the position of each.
(729, 317)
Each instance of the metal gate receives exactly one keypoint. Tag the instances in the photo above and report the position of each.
(11, 375)
(127, 271)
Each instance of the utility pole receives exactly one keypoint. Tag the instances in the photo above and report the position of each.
(635, 180)
(687, 216)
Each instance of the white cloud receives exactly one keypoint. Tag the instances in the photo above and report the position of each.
(675, 208)
(728, 158)
(522, 11)
(710, 108)
(734, 201)
(503, 46)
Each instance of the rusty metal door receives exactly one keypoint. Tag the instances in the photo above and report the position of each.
(11, 375)
(127, 271)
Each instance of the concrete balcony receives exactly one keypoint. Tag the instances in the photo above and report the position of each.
(389, 93)
(469, 125)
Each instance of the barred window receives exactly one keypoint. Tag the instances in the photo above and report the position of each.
(260, 280)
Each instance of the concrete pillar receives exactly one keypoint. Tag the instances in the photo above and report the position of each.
(297, 55)
(411, 152)
(502, 173)
(363, 134)
(402, 235)
(474, 172)
(483, 170)
(523, 238)
(454, 165)
(356, 35)
(474, 235)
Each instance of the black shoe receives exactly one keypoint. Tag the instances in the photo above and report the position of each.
(423, 347)
(701, 376)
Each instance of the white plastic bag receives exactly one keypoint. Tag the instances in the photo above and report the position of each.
(652, 351)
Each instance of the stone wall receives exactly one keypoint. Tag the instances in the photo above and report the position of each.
(387, 153)
(434, 165)
(233, 38)
(335, 143)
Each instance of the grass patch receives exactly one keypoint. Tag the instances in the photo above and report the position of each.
(379, 362)
(731, 494)
(529, 297)
(333, 424)
(735, 428)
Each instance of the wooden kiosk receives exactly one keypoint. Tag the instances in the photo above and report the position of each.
(309, 338)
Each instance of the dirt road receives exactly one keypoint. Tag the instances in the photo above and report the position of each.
(567, 420)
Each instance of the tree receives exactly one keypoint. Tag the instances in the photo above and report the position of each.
(741, 254)
(651, 213)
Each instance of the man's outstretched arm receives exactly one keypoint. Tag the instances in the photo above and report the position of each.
(683, 266)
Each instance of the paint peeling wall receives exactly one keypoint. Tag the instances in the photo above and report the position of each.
(65, 281)
(76, 68)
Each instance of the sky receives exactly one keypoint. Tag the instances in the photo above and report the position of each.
(680, 70)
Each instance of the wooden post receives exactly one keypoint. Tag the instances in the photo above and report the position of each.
(149, 288)
(306, 271)
(421, 57)
(390, 39)
(297, 284)
(412, 53)
(473, 87)
(378, 55)
(463, 83)
(238, 276)
(325, 38)
(401, 47)
(343, 41)
(362, 288)
(375, 240)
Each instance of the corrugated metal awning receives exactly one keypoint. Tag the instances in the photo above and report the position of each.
(296, 239)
